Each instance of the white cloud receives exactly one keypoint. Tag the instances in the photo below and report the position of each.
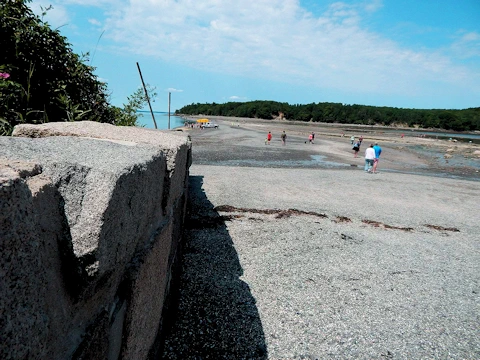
(173, 90)
(56, 15)
(97, 3)
(279, 40)
(237, 98)
(374, 5)
(471, 36)
(466, 45)
(95, 22)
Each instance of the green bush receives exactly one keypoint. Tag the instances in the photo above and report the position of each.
(42, 78)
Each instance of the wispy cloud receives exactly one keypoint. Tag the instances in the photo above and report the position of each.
(98, 3)
(56, 15)
(237, 98)
(373, 5)
(95, 22)
(279, 40)
(467, 45)
(173, 90)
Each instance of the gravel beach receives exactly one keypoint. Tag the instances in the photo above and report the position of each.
(294, 252)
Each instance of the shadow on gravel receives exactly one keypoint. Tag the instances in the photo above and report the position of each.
(217, 315)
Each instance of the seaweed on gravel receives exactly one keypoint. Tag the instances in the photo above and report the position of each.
(342, 219)
(441, 228)
(386, 226)
(279, 213)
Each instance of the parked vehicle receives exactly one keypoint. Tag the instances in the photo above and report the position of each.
(209, 125)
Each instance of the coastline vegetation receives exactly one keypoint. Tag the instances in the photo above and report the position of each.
(42, 79)
(456, 120)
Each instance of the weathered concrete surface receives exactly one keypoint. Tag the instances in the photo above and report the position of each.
(171, 143)
(111, 192)
(21, 268)
(101, 221)
(149, 270)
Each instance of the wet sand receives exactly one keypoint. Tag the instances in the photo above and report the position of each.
(241, 142)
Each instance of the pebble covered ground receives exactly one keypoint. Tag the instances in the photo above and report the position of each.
(306, 263)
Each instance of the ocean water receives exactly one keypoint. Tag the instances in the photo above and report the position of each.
(161, 119)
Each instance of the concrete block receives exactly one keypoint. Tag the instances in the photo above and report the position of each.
(95, 344)
(177, 180)
(112, 193)
(175, 145)
(23, 321)
(147, 277)
(37, 268)
(116, 331)
(89, 229)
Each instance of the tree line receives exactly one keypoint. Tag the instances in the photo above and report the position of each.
(457, 120)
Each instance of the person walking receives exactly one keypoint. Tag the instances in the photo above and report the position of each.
(283, 137)
(269, 137)
(310, 138)
(369, 157)
(352, 139)
(378, 151)
(313, 137)
(356, 149)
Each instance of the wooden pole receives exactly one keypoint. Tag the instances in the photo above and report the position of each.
(146, 95)
(169, 101)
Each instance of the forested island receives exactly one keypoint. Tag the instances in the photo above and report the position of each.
(456, 120)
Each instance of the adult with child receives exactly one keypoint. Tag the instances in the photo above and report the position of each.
(378, 151)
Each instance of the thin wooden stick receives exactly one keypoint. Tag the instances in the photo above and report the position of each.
(169, 101)
(146, 95)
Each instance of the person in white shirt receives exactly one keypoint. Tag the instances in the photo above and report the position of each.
(369, 157)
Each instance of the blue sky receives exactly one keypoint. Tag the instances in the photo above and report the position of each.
(410, 53)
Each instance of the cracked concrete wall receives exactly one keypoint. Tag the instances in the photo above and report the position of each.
(90, 225)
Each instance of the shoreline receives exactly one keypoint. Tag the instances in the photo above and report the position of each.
(358, 127)
(241, 142)
(295, 252)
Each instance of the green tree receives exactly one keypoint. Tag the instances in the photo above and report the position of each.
(458, 120)
(128, 115)
(46, 80)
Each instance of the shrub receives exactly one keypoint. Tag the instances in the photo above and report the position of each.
(46, 80)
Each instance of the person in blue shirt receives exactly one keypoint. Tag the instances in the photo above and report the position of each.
(378, 151)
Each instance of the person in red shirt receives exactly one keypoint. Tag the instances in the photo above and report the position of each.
(269, 137)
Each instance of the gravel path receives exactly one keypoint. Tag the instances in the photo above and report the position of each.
(309, 263)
